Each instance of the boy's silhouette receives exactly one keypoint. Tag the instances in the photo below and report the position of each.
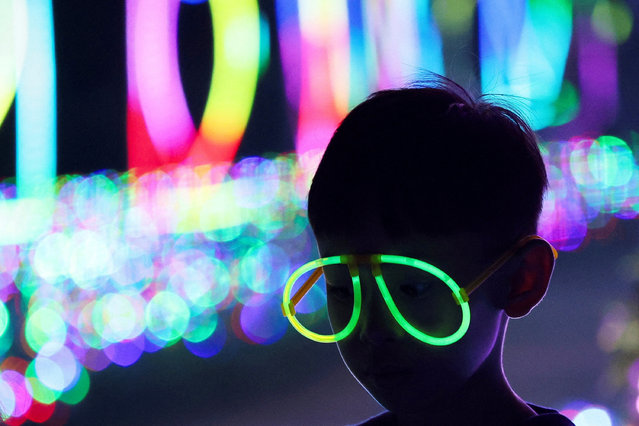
(428, 172)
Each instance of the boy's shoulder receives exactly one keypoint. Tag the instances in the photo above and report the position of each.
(545, 417)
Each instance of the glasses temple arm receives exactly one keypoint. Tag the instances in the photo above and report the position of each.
(466, 291)
(301, 292)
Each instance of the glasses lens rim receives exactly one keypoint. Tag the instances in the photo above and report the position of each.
(376, 260)
(401, 320)
(291, 315)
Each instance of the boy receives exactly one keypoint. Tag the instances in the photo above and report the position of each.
(428, 181)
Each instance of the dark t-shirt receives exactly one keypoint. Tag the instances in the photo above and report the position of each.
(545, 417)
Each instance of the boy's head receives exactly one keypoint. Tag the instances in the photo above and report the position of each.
(431, 174)
(430, 161)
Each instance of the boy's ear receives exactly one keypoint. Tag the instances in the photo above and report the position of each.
(530, 280)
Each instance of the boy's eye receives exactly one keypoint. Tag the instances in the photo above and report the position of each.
(416, 290)
(343, 294)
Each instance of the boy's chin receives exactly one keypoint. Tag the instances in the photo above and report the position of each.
(407, 391)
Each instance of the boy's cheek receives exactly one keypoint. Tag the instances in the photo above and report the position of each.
(407, 355)
(421, 368)
(395, 376)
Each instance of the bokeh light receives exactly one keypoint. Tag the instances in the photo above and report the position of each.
(167, 316)
(148, 284)
(612, 20)
(593, 416)
(454, 16)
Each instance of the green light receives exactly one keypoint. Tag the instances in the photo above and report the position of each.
(237, 61)
(610, 161)
(289, 302)
(265, 43)
(454, 17)
(567, 104)
(321, 338)
(114, 318)
(612, 20)
(201, 327)
(426, 267)
(13, 21)
(77, 393)
(41, 393)
(167, 316)
(44, 326)
(4, 318)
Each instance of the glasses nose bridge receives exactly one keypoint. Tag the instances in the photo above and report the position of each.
(376, 323)
(365, 267)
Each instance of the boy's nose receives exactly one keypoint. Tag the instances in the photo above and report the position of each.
(377, 326)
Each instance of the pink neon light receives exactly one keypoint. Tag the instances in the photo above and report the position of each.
(155, 76)
(320, 109)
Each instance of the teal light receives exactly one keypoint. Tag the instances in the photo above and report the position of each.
(36, 106)
(525, 55)
(288, 306)
(4, 318)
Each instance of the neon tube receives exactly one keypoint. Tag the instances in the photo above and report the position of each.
(236, 49)
(157, 77)
(13, 20)
(160, 124)
(324, 72)
(36, 106)
(523, 51)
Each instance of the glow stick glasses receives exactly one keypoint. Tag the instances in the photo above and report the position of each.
(419, 298)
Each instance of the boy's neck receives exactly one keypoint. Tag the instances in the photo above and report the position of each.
(485, 399)
(476, 404)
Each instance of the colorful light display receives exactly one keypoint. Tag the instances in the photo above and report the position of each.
(160, 261)
(160, 126)
(188, 248)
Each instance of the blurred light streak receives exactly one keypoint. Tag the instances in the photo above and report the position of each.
(236, 49)
(523, 51)
(156, 81)
(430, 41)
(324, 72)
(334, 54)
(160, 126)
(612, 20)
(454, 16)
(36, 106)
(394, 34)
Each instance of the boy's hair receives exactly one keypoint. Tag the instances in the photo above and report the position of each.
(430, 161)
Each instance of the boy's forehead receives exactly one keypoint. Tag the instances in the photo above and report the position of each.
(433, 248)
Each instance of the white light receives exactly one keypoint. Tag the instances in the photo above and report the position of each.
(593, 417)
